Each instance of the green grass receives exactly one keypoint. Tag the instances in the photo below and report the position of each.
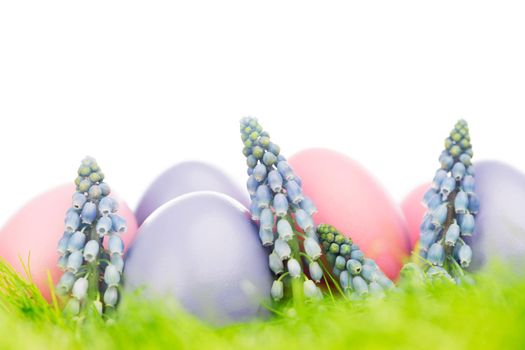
(489, 314)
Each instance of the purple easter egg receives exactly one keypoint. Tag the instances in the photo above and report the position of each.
(203, 249)
(500, 224)
(185, 178)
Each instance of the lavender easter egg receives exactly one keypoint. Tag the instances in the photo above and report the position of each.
(187, 177)
(34, 231)
(348, 197)
(203, 249)
(500, 224)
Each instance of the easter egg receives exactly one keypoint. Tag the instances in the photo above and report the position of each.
(34, 231)
(414, 211)
(185, 178)
(348, 197)
(499, 234)
(203, 249)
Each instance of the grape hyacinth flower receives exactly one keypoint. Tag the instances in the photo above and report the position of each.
(283, 214)
(452, 206)
(92, 273)
(358, 276)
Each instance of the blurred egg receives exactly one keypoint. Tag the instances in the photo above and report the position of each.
(203, 249)
(500, 224)
(185, 178)
(349, 198)
(414, 211)
(34, 231)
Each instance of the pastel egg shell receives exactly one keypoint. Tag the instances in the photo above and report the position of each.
(187, 177)
(203, 249)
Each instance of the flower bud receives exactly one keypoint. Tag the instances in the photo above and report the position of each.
(72, 307)
(80, 288)
(294, 192)
(72, 221)
(357, 255)
(285, 170)
(275, 181)
(115, 245)
(89, 213)
(94, 192)
(316, 273)
(275, 263)
(66, 283)
(447, 186)
(104, 225)
(266, 236)
(308, 206)
(465, 255)
(468, 184)
(458, 171)
(104, 187)
(452, 234)
(438, 179)
(78, 200)
(369, 273)
(252, 185)
(63, 243)
(280, 205)
(310, 289)
(353, 266)
(76, 241)
(304, 221)
(117, 261)
(74, 261)
(269, 159)
(467, 225)
(360, 285)
(284, 229)
(473, 203)
(267, 219)
(439, 215)
(118, 223)
(312, 249)
(111, 296)
(263, 196)
(255, 210)
(461, 202)
(259, 172)
(345, 280)
(282, 249)
(111, 276)
(107, 206)
(294, 268)
(436, 254)
(277, 290)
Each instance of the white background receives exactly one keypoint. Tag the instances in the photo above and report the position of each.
(143, 85)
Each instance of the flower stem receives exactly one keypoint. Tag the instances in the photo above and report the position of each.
(297, 286)
(93, 268)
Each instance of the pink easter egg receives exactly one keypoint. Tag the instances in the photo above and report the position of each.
(348, 197)
(35, 230)
(414, 212)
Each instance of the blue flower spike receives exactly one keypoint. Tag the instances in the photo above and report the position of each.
(356, 273)
(92, 273)
(284, 215)
(450, 220)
